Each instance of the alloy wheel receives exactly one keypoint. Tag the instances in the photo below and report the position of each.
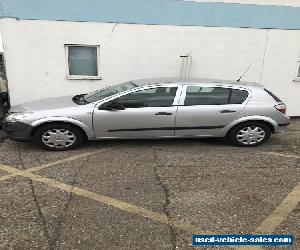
(251, 135)
(58, 138)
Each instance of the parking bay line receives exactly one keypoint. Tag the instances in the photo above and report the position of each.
(51, 164)
(268, 225)
(122, 205)
(281, 212)
(6, 177)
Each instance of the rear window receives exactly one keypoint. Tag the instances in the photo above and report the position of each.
(274, 96)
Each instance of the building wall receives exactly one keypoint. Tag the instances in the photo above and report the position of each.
(36, 63)
(166, 12)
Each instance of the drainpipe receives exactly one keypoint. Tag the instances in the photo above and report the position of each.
(186, 61)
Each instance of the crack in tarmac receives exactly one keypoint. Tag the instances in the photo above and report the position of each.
(54, 240)
(167, 192)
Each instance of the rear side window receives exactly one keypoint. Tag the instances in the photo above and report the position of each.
(238, 96)
(196, 95)
(274, 96)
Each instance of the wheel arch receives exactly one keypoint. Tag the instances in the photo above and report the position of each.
(266, 120)
(82, 127)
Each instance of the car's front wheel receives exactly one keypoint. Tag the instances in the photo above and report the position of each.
(58, 136)
(249, 134)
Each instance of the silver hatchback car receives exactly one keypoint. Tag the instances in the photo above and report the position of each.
(246, 114)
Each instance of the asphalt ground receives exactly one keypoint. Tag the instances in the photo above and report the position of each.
(147, 194)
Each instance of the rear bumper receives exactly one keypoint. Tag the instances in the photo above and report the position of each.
(17, 131)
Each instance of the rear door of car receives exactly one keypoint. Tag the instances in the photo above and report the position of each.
(205, 109)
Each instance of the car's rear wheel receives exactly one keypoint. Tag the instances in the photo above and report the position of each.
(249, 134)
(59, 136)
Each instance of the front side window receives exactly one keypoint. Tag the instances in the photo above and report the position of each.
(82, 61)
(154, 97)
(196, 95)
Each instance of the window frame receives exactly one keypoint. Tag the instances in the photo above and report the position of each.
(184, 91)
(82, 77)
(176, 100)
(157, 87)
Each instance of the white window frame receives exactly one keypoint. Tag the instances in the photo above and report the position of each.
(82, 77)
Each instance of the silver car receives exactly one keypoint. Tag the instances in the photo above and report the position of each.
(246, 114)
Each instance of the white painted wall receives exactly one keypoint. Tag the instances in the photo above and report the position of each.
(1, 46)
(36, 63)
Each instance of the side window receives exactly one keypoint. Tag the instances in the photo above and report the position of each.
(154, 97)
(238, 96)
(196, 95)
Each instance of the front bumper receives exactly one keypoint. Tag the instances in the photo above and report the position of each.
(17, 131)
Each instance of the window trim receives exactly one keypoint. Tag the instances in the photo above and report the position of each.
(82, 77)
(145, 89)
(111, 98)
(183, 97)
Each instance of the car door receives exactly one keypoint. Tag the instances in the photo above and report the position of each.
(145, 113)
(204, 110)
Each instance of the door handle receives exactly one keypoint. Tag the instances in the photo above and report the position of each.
(227, 111)
(163, 113)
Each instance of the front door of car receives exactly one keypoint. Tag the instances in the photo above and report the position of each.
(206, 110)
(144, 113)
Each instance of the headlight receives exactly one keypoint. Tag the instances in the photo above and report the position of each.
(15, 117)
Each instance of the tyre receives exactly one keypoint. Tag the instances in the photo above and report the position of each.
(59, 136)
(249, 134)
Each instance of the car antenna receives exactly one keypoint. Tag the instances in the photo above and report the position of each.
(238, 80)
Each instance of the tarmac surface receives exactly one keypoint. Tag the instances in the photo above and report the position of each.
(147, 194)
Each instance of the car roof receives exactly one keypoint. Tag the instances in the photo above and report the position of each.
(159, 81)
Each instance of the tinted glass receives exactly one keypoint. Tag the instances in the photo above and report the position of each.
(155, 97)
(83, 61)
(238, 96)
(109, 91)
(196, 95)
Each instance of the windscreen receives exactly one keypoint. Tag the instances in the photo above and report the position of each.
(109, 91)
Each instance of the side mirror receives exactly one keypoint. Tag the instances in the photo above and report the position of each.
(112, 106)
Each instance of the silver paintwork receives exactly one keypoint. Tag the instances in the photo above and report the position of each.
(95, 123)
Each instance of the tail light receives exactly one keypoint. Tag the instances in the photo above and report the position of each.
(281, 108)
